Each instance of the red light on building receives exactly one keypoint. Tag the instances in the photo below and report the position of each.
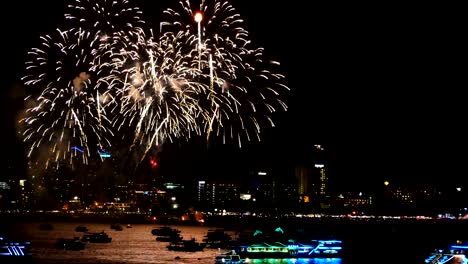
(153, 163)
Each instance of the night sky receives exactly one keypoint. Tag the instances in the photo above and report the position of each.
(381, 86)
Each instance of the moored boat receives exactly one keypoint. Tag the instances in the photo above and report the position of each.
(229, 258)
(455, 253)
(172, 238)
(96, 237)
(165, 231)
(70, 244)
(312, 249)
(81, 228)
(17, 250)
(116, 227)
(217, 238)
(189, 245)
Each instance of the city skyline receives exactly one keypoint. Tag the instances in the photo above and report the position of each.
(378, 86)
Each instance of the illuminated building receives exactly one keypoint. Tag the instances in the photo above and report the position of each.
(323, 179)
(303, 178)
(218, 195)
(312, 178)
(201, 191)
(352, 202)
(319, 172)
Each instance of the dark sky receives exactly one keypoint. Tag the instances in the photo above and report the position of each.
(380, 85)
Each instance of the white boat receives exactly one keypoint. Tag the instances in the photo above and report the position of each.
(453, 254)
(229, 257)
(14, 249)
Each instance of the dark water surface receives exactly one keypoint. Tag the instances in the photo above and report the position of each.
(403, 242)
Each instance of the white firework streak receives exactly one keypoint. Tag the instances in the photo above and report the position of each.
(241, 91)
(197, 77)
(157, 92)
(66, 111)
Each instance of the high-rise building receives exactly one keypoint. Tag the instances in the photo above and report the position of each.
(304, 185)
(319, 171)
(218, 194)
(312, 177)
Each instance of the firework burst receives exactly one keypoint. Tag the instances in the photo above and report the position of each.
(116, 23)
(108, 18)
(243, 89)
(65, 117)
(157, 92)
(200, 76)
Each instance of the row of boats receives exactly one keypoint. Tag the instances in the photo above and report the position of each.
(176, 241)
(13, 249)
(78, 243)
(235, 250)
(263, 247)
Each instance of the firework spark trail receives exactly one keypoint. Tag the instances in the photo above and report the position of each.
(241, 93)
(108, 19)
(104, 72)
(149, 83)
(157, 92)
(118, 26)
(62, 110)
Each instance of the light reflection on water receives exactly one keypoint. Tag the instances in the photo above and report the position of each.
(134, 245)
(297, 261)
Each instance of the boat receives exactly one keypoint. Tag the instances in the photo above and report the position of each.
(217, 238)
(14, 250)
(96, 237)
(455, 253)
(116, 227)
(190, 245)
(291, 249)
(172, 238)
(229, 258)
(165, 231)
(70, 244)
